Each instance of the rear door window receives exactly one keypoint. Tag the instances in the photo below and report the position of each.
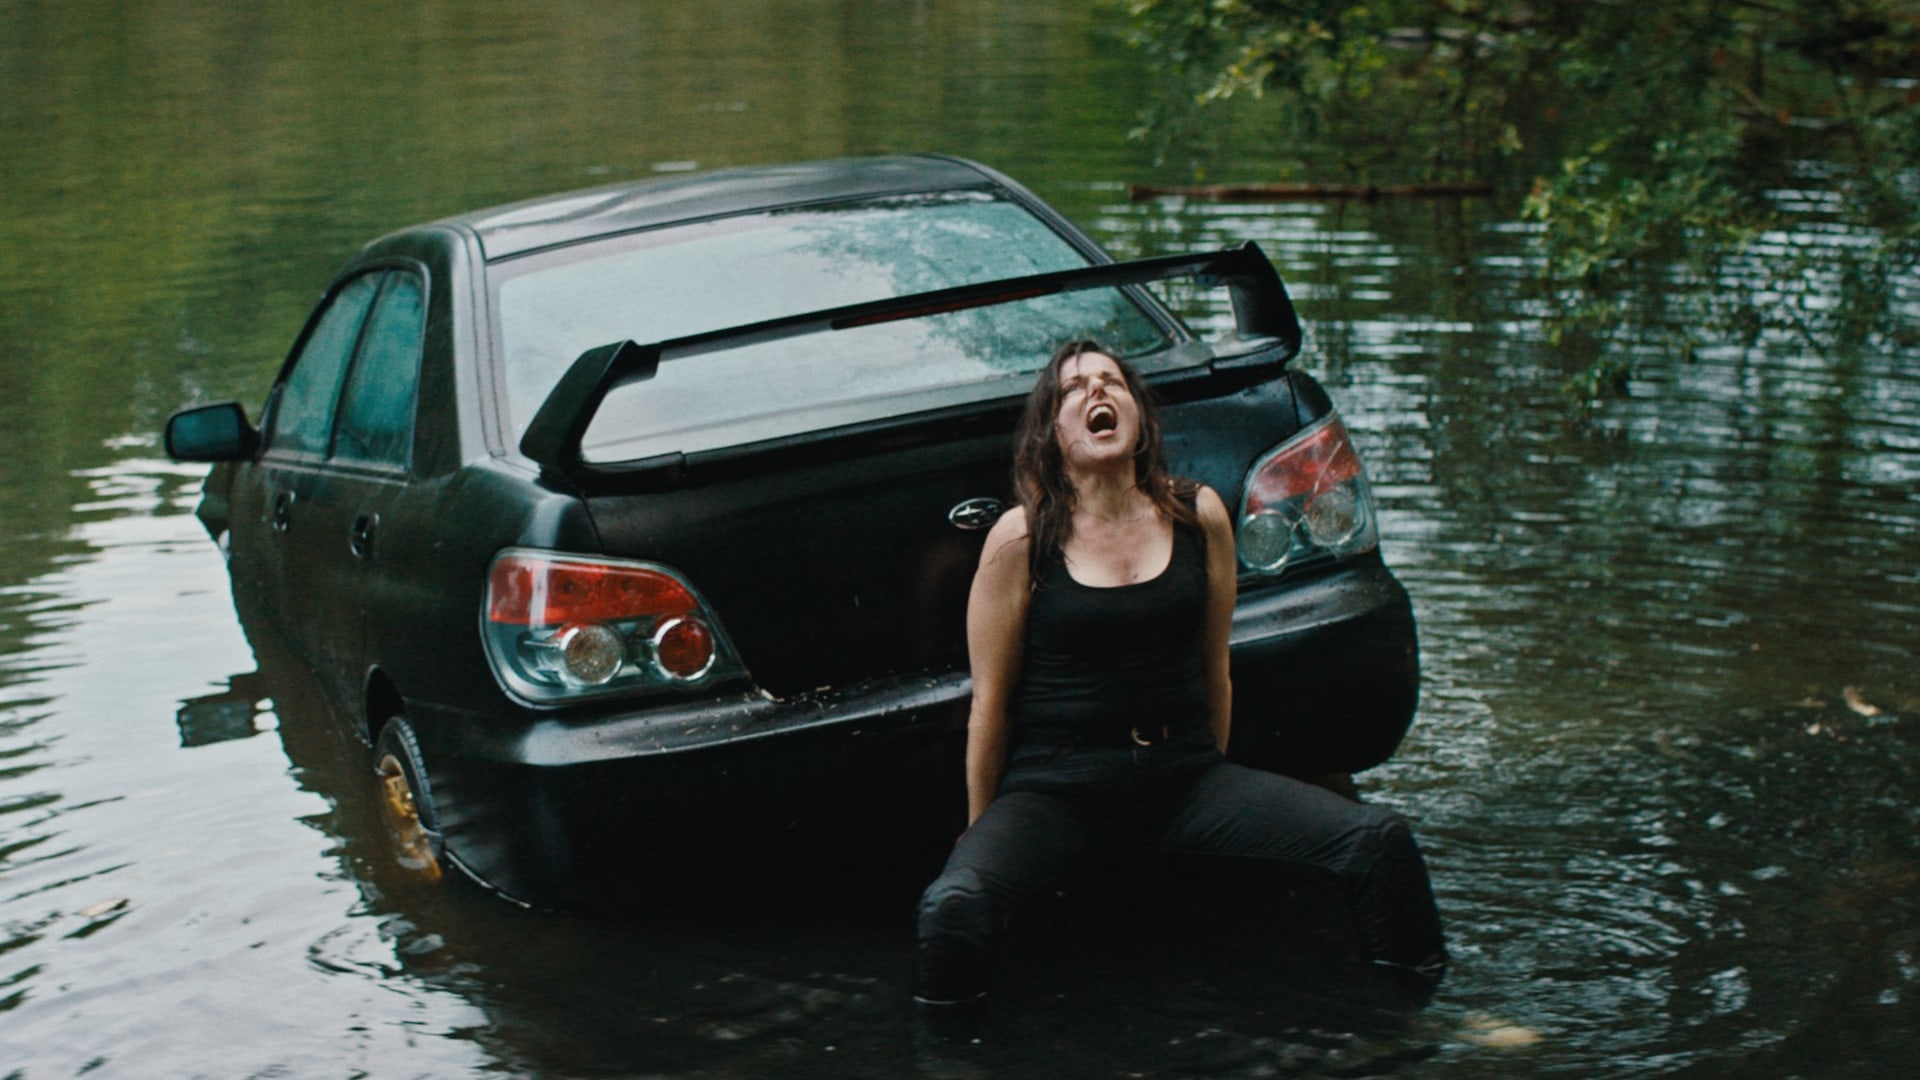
(709, 275)
(376, 416)
(304, 408)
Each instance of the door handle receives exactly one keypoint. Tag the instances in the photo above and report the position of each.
(360, 535)
(282, 512)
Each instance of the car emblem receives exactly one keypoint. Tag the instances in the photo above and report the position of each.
(975, 513)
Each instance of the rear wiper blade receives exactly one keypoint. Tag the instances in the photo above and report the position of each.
(1261, 310)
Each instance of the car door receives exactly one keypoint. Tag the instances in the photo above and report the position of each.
(370, 471)
(292, 466)
(337, 458)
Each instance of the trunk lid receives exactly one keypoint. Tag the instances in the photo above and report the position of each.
(832, 572)
(842, 568)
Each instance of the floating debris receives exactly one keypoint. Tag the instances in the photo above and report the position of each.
(1231, 193)
(104, 907)
(1496, 1034)
(1860, 705)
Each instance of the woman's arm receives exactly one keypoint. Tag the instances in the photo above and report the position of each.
(1221, 571)
(996, 629)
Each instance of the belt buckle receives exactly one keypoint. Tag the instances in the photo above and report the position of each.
(1149, 737)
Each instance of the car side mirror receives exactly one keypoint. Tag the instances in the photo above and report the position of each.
(211, 433)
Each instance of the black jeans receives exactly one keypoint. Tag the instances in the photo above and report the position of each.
(1064, 808)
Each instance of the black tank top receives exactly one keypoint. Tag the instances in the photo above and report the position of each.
(1101, 660)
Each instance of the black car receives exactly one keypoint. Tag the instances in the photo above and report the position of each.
(621, 517)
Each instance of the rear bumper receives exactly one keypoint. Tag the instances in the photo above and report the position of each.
(571, 811)
(1326, 673)
(1325, 678)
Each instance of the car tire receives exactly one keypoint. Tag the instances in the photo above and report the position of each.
(406, 801)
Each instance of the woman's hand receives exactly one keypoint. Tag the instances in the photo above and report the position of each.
(996, 630)
(1217, 524)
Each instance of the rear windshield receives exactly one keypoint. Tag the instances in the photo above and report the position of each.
(687, 279)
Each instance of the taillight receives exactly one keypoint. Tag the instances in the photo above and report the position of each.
(1306, 497)
(564, 627)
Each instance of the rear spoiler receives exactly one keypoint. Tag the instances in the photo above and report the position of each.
(1261, 309)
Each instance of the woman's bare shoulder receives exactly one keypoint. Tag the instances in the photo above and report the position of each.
(1211, 508)
(1009, 537)
(1011, 525)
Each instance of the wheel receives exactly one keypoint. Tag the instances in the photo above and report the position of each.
(406, 801)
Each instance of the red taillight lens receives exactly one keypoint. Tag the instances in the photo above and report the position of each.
(560, 627)
(683, 648)
(1316, 460)
(1307, 497)
(526, 590)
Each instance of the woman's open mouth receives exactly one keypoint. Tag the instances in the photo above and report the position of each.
(1102, 418)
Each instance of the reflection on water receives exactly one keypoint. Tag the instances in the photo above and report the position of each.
(166, 899)
(1666, 757)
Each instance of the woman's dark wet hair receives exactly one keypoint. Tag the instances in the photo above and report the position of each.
(1040, 472)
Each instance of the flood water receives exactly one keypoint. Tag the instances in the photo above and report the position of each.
(1668, 751)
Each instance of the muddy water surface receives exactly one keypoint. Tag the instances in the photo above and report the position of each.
(1666, 762)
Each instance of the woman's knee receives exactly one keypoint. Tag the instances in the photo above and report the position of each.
(956, 930)
(1377, 835)
(1389, 829)
(957, 905)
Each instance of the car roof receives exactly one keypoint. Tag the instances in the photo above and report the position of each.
(554, 220)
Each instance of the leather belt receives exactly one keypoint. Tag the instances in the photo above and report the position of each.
(1136, 736)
